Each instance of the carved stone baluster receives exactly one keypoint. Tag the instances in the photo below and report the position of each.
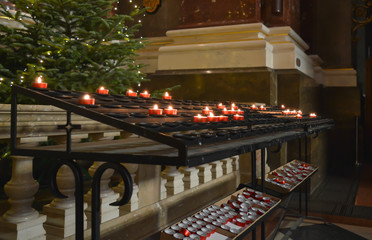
(227, 166)
(191, 178)
(61, 211)
(235, 163)
(163, 189)
(174, 183)
(21, 221)
(205, 174)
(107, 196)
(217, 170)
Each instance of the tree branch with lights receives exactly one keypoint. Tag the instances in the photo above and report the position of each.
(73, 44)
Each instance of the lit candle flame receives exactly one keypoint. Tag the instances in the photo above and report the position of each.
(145, 92)
(262, 107)
(166, 94)
(283, 106)
(206, 108)
(312, 115)
(211, 114)
(86, 96)
(225, 109)
(170, 108)
(102, 88)
(253, 106)
(39, 79)
(155, 106)
(299, 112)
(233, 105)
(220, 104)
(199, 116)
(299, 115)
(130, 91)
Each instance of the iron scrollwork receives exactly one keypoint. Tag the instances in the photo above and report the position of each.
(128, 190)
(362, 11)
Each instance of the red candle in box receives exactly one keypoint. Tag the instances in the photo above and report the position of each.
(299, 116)
(238, 117)
(293, 112)
(312, 115)
(206, 111)
(286, 112)
(282, 107)
(262, 107)
(86, 100)
(254, 107)
(39, 83)
(102, 90)
(228, 112)
(299, 112)
(233, 106)
(212, 118)
(166, 96)
(220, 106)
(145, 94)
(130, 93)
(200, 118)
(240, 112)
(224, 118)
(155, 110)
(170, 111)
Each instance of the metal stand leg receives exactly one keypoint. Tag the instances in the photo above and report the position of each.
(307, 181)
(263, 187)
(254, 234)
(254, 181)
(300, 188)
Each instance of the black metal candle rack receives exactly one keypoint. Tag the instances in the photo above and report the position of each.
(164, 139)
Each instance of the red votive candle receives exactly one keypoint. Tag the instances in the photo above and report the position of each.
(212, 118)
(312, 115)
(286, 112)
(238, 117)
(155, 110)
(102, 90)
(224, 118)
(86, 100)
(206, 111)
(240, 112)
(298, 116)
(145, 94)
(130, 93)
(166, 96)
(254, 107)
(228, 112)
(233, 106)
(282, 107)
(170, 111)
(39, 83)
(200, 119)
(221, 106)
(262, 107)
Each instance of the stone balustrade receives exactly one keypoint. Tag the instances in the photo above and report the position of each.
(158, 198)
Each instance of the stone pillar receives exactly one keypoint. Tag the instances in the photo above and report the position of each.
(21, 221)
(227, 166)
(133, 203)
(174, 183)
(191, 178)
(107, 196)
(61, 211)
(205, 174)
(216, 170)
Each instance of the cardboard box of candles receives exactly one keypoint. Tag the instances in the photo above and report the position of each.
(287, 177)
(226, 219)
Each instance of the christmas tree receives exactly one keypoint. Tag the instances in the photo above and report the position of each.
(73, 44)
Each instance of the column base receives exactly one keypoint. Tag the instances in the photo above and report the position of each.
(107, 212)
(61, 222)
(29, 230)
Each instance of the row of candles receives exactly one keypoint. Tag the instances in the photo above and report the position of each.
(238, 114)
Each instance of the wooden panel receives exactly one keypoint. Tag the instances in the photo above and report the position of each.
(217, 12)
